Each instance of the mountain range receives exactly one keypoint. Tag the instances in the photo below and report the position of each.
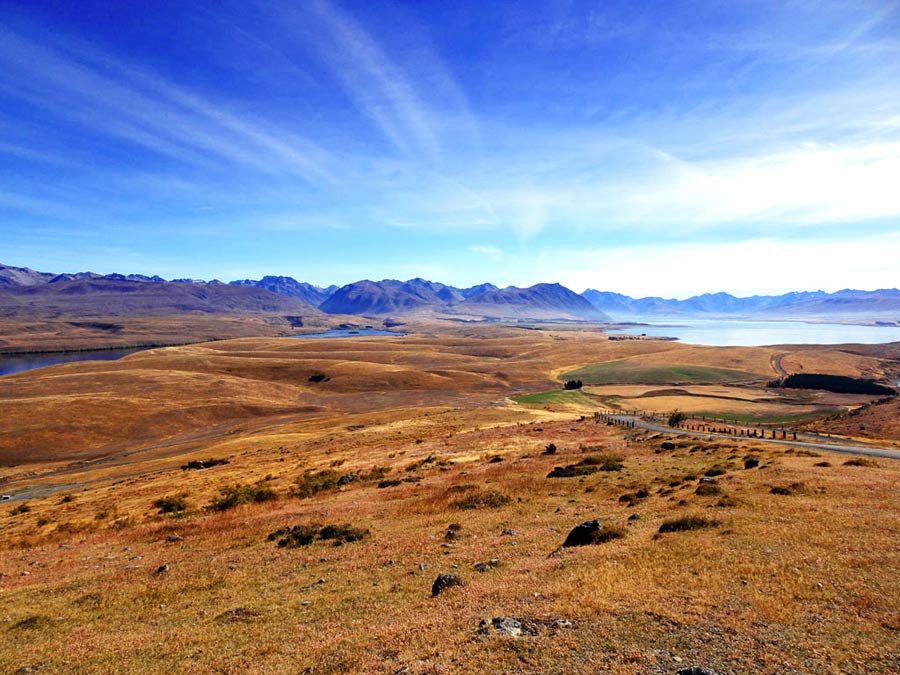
(884, 303)
(135, 292)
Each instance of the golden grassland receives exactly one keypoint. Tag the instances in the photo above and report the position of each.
(783, 583)
(102, 332)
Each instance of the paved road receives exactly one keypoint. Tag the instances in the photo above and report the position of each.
(776, 363)
(843, 448)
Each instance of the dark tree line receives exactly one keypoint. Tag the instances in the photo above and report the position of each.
(839, 384)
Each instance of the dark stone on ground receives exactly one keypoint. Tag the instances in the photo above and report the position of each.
(751, 462)
(487, 565)
(443, 582)
(697, 670)
(348, 478)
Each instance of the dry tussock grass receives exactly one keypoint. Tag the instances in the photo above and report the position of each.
(804, 583)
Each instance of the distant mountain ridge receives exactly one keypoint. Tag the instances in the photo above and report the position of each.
(541, 301)
(845, 303)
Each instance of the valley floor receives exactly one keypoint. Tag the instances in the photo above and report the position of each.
(782, 560)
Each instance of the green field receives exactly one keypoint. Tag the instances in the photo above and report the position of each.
(767, 419)
(627, 372)
(554, 396)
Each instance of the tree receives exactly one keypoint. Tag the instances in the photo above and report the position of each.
(676, 418)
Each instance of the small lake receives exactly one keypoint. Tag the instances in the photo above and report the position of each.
(725, 333)
(18, 363)
(350, 333)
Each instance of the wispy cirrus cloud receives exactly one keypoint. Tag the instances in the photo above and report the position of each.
(108, 97)
(381, 88)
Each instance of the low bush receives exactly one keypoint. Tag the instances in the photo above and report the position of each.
(19, 509)
(304, 535)
(686, 523)
(389, 482)
(481, 499)
(313, 482)
(588, 465)
(604, 462)
(571, 471)
(171, 503)
(237, 494)
(860, 461)
(708, 490)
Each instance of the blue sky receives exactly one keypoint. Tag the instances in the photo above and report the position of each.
(651, 148)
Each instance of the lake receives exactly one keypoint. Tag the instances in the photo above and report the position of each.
(725, 333)
(17, 363)
(350, 333)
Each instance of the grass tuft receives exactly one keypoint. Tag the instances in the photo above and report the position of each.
(687, 523)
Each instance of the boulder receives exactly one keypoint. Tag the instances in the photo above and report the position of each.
(443, 582)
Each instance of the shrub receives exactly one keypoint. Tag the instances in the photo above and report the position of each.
(294, 536)
(318, 377)
(708, 490)
(376, 473)
(686, 523)
(550, 449)
(676, 418)
(571, 471)
(342, 534)
(19, 509)
(860, 461)
(304, 535)
(389, 482)
(237, 494)
(573, 384)
(171, 503)
(418, 464)
(482, 499)
(717, 470)
(825, 464)
(313, 482)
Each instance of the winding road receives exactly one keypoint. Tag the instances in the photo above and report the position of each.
(843, 448)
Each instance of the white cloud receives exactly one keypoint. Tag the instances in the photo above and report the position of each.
(756, 266)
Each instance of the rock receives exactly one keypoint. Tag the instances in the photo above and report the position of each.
(348, 478)
(667, 445)
(507, 626)
(751, 462)
(172, 538)
(162, 569)
(443, 582)
(591, 532)
(634, 516)
(509, 532)
(487, 565)
(697, 670)
(708, 480)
